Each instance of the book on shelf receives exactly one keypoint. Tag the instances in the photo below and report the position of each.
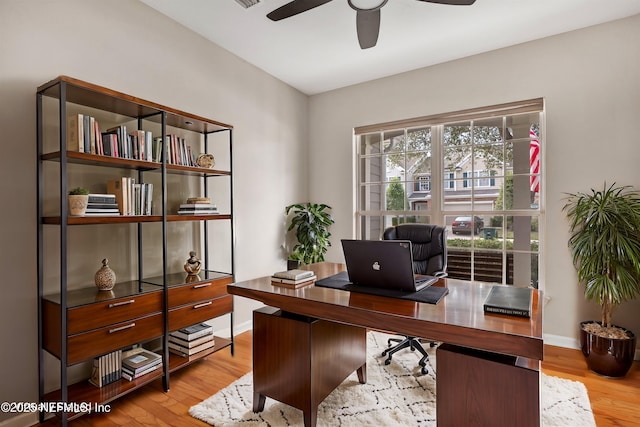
(294, 275)
(131, 198)
(132, 376)
(83, 134)
(142, 368)
(120, 188)
(192, 332)
(140, 360)
(102, 198)
(106, 369)
(75, 133)
(510, 300)
(176, 150)
(102, 205)
(190, 351)
(193, 343)
(109, 144)
(119, 147)
(197, 209)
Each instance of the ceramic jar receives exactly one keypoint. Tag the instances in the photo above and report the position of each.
(105, 277)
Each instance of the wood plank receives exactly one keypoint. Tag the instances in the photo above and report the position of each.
(613, 400)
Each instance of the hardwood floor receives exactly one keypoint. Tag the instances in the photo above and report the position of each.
(614, 401)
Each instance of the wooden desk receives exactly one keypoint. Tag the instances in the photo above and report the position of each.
(458, 320)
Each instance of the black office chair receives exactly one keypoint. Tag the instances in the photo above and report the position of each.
(429, 246)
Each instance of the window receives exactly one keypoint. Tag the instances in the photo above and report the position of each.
(423, 183)
(484, 158)
(448, 181)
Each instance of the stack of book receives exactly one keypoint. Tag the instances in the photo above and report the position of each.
(191, 340)
(106, 369)
(293, 278)
(139, 362)
(102, 205)
(198, 206)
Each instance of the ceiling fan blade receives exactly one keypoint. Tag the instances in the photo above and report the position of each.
(293, 8)
(368, 27)
(452, 2)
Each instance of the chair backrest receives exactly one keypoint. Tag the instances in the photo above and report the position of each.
(429, 244)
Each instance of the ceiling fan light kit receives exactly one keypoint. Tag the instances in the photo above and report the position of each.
(367, 14)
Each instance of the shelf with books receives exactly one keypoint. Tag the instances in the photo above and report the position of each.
(122, 130)
(84, 391)
(107, 161)
(176, 361)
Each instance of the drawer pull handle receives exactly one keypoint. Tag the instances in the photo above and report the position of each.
(118, 304)
(202, 285)
(121, 328)
(204, 304)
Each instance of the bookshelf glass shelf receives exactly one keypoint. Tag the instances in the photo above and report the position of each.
(91, 295)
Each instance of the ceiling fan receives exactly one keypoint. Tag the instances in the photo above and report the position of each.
(367, 18)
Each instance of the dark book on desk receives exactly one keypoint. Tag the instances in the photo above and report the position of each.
(509, 300)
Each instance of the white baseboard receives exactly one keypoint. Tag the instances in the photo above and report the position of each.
(573, 343)
(560, 341)
(27, 419)
(237, 329)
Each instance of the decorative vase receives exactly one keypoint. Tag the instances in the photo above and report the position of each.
(105, 278)
(77, 204)
(611, 357)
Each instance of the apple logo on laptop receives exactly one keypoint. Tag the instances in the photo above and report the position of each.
(376, 266)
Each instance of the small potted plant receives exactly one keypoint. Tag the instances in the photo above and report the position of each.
(78, 201)
(605, 247)
(311, 223)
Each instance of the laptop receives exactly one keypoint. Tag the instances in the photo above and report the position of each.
(386, 264)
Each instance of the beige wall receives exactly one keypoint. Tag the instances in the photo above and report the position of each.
(126, 46)
(589, 79)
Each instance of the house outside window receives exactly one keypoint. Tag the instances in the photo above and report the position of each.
(486, 174)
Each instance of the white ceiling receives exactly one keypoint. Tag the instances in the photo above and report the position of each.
(318, 50)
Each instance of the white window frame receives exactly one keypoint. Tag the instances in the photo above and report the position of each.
(436, 212)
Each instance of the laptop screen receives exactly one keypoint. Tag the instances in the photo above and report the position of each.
(384, 264)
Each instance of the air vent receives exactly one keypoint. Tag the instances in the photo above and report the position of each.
(247, 3)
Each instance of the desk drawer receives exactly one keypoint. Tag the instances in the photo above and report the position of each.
(194, 313)
(191, 293)
(104, 313)
(90, 344)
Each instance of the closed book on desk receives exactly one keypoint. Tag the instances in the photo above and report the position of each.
(293, 284)
(509, 300)
(294, 275)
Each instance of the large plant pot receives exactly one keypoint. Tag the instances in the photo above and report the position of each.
(610, 357)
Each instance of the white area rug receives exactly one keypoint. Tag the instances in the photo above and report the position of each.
(394, 395)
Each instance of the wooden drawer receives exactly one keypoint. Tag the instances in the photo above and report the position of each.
(191, 314)
(191, 293)
(90, 344)
(100, 314)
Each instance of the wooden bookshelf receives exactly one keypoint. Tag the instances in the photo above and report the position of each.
(79, 324)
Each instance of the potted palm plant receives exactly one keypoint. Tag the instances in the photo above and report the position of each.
(310, 223)
(605, 247)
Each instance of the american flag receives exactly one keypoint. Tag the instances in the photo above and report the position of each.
(534, 161)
